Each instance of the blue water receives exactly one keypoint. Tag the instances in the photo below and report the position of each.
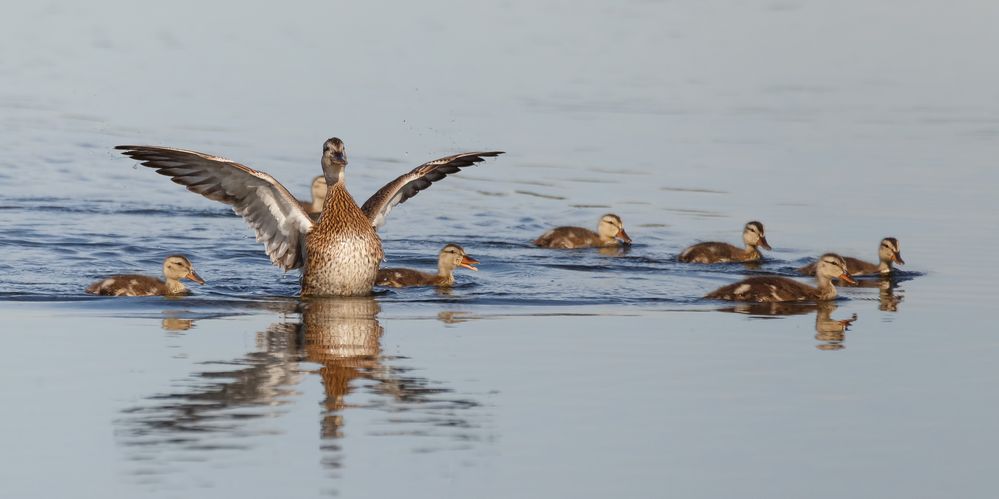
(547, 373)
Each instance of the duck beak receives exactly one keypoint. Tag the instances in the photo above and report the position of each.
(846, 278)
(195, 277)
(764, 243)
(467, 262)
(623, 236)
(897, 258)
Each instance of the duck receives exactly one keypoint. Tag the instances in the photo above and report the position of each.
(340, 253)
(175, 268)
(753, 236)
(781, 289)
(449, 258)
(889, 253)
(315, 206)
(610, 232)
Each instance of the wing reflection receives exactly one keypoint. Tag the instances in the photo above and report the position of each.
(829, 331)
(226, 408)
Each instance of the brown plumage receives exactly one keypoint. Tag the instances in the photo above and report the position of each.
(782, 289)
(339, 254)
(889, 252)
(610, 232)
(450, 257)
(175, 268)
(717, 252)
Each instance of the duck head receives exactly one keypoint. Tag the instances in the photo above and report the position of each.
(453, 256)
(832, 266)
(177, 267)
(334, 160)
(889, 252)
(610, 227)
(754, 235)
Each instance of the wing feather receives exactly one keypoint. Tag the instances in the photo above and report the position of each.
(266, 205)
(378, 206)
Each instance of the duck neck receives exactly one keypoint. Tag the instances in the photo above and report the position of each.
(174, 286)
(334, 173)
(884, 266)
(445, 273)
(752, 252)
(825, 287)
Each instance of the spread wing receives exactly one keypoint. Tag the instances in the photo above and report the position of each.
(378, 206)
(275, 215)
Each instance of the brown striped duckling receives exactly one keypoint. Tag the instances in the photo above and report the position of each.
(339, 254)
(889, 252)
(714, 252)
(610, 232)
(315, 207)
(450, 257)
(175, 268)
(782, 289)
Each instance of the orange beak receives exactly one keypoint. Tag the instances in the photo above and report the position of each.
(195, 277)
(897, 258)
(846, 278)
(467, 262)
(764, 243)
(623, 236)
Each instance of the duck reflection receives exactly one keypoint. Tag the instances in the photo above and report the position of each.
(341, 335)
(176, 324)
(888, 301)
(829, 331)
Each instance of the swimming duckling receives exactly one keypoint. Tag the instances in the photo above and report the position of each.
(778, 289)
(715, 252)
(610, 232)
(315, 207)
(450, 257)
(175, 268)
(889, 252)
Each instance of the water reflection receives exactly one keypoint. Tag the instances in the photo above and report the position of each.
(888, 301)
(225, 408)
(830, 332)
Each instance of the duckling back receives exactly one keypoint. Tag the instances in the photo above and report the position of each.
(129, 285)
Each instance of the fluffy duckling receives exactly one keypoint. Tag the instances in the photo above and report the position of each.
(889, 252)
(450, 257)
(610, 232)
(714, 252)
(780, 289)
(175, 268)
(319, 188)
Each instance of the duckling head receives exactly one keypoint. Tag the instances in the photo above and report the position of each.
(611, 227)
(890, 252)
(177, 267)
(319, 187)
(334, 160)
(753, 235)
(832, 266)
(453, 256)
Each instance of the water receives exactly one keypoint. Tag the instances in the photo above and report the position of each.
(546, 374)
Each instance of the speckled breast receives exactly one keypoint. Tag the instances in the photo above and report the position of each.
(342, 260)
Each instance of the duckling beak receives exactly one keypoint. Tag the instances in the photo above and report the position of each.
(764, 243)
(846, 278)
(897, 258)
(467, 262)
(195, 277)
(623, 236)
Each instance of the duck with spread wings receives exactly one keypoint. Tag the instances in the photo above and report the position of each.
(339, 254)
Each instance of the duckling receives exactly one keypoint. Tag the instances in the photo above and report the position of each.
(315, 207)
(889, 252)
(780, 289)
(715, 252)
(175, 268)
(449, 258)
(610, 232)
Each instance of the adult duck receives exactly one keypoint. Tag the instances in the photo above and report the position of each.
(339, 254)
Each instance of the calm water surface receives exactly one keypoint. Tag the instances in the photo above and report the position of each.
(546, 374)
